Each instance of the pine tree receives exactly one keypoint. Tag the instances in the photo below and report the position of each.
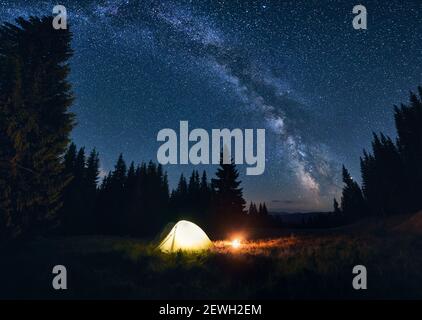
(77, 218)
(90, 189)
(165, 195)
(181, 193)
(253, 211)
(408, 120)
(128, 211)
(205, 190)
(336, 207)
(110, 212)
(70, 159)
(193, 198)
(370, 182)
(193, 189)
(73, 209)
(130, 185)
(80, 195)
(263, 215)
(260, 210)
(161, 201)
(264, 210)
(102, 208)
(205, 200)
(352, 202)
(229, 212)
(138, 214)
(92, 172)
(383, 177)
(182, 188)
(34, 123)
(118, 177)
(392, 174)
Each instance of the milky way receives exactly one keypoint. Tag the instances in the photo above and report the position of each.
(296, 68)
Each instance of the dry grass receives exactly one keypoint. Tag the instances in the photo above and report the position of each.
(412, 224)
(255, 247)
(302, 266)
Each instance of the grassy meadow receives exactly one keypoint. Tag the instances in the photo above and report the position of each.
(293, 265)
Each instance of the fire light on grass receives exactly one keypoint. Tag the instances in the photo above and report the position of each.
(254, 247)
(236, 243)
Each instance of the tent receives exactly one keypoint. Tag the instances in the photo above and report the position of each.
(186, 236)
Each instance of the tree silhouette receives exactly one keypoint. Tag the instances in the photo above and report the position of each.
(383, 177)
(34, 123)
(336, 206)
(253, 211)
(134, 201)
(257, 215)
(392, 174)
(80, 195)
(352, 202)
(72, 211)
(91, 176)
(44, 182)
(263, 212)
(205, 200)
(408, 120)
(111, 208)
(179, 199)
(189, 199)
(229, 209)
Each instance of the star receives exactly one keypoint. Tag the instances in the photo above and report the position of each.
(300, 71)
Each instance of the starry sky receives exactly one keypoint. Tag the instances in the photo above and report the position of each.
(296, 68)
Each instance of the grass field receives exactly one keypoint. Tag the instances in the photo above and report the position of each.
(305, 264)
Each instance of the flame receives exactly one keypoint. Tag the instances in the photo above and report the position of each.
(236, 243)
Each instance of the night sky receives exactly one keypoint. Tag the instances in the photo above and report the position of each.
(297, 69)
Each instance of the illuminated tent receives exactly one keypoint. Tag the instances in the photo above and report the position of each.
(185, 236)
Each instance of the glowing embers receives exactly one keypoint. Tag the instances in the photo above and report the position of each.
(254, 246)
(236, 243)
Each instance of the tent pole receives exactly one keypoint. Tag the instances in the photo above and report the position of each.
(174, 237)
